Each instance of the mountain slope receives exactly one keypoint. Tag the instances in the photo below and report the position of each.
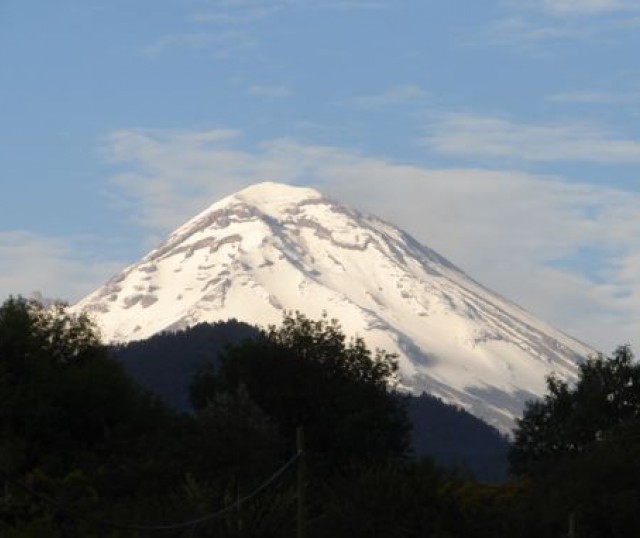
(167, 363)
(272, 247)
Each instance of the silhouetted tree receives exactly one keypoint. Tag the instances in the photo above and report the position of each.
(578, 449)
(570, 418)
(305, 372)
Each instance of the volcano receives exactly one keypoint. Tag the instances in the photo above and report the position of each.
(272, 248)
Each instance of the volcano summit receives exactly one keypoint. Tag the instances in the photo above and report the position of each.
(274, 247)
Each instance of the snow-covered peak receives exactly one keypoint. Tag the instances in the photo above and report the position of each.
(274, 247)
(274, 199)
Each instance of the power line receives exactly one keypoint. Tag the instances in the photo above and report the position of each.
(172, 526)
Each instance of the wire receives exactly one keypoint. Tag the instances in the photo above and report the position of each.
(172, 526)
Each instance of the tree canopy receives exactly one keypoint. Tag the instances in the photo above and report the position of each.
(578, 450)
(51, 366)
(73, 425)
(83, 449)
(569, 419)
(306, 373)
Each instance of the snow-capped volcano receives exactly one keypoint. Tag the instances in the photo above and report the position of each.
(272, 247)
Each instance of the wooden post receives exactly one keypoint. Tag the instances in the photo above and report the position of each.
(572, 525)
(302, 478)
(238, 509)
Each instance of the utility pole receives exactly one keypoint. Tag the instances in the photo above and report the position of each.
(238, 509)
(302, 479)
(572, 525)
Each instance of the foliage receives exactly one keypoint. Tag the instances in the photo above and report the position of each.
(166, 363)
(401, 500)
(306, 373)
(570, 419)
(236, 440)
(51, 366)
(82, 446)
(74, 428)
(599, 486)
(579, 449)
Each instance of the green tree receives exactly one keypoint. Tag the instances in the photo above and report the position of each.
(51, 368)
(236, 441)
(410, 499)
(73, 425)
(569, 419)
(305, 372)
(578, 449)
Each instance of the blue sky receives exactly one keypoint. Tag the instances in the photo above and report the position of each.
(503, 133)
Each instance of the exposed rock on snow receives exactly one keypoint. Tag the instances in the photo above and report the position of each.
(272, 247)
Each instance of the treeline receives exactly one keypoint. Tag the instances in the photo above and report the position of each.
(166, 364)
(86, 452)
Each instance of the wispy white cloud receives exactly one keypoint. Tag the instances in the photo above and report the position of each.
(252, 10)
(31, 262)
(270, 91)
(628, 22)
(218, 44)
(353, 4)
(531, 32)
(563, 8)
(494, 137)
(239, 14)
(532, 23)
(589, 97)
(396, 95)
(229, 28)
(196, 41)
(586, 7)
(171, 169)
(507, 229)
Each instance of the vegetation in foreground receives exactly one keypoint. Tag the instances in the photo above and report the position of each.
(85, 452)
